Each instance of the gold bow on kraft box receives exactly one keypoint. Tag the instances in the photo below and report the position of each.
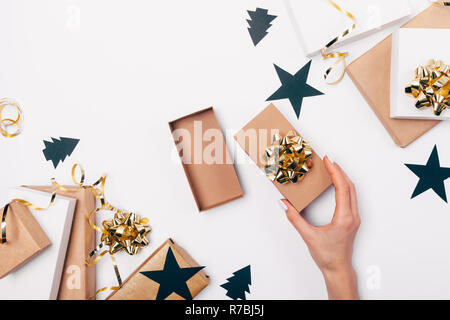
(431, 86)
(288, 159)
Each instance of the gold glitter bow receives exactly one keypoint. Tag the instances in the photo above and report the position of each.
(339, 55)
(6, 123)
(431, 86)
(288, 159)
(125, 232)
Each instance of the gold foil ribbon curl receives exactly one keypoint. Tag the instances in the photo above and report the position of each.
(431, 86)
(6, 123)
(288, 159)
(339, 55)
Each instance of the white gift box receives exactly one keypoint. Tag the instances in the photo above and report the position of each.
(412, 48)
(39, 279)
(317, 22)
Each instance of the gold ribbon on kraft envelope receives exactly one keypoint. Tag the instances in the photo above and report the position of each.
(431, 86)
(288, 159)
(7, 123)
(339, 55)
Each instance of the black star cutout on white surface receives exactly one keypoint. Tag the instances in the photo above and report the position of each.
(172, 278)
(294, 87)
(431, 176)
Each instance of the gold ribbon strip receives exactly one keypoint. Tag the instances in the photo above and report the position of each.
(339, 55)
(440, 3)
(431, 86)
(288, 159)
(6, 123)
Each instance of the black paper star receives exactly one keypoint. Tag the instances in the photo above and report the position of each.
(172, 278)
(431, 176)
(294, 87)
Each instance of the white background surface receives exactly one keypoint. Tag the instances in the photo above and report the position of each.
(117, 77)
(406, 57)
(40, 277)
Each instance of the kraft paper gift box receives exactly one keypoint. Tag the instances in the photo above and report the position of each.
(371, 74)
(213, 181)
(316, 180)
(140, 287)
(25, 239)
(317, 22)
(78, 279)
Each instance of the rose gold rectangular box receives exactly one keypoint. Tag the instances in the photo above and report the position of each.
(25, 239)
(140, 287)
(207, 164)
(300, 194)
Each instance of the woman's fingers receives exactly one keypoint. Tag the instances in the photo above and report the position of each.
(353, 198)
(343, 202)
(303, 227)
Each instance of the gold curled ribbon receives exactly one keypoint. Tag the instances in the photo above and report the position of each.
(431, 86)
(288, 159)
(6, 123)
(339, 55)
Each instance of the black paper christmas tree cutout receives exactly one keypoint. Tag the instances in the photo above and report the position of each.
(431, 176)
(294, 87)
(172, 278)
(57, 150)
(259, 22)
(238, 284)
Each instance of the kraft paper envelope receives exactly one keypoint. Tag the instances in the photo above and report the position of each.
(371, 75)
(316, 181)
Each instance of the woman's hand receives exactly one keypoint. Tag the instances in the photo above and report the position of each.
(331, 246)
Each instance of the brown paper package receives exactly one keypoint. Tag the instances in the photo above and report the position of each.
(371, 74)
(212, 184)
(139, 287)
(25, 239)
(78, 279)
(316, 181)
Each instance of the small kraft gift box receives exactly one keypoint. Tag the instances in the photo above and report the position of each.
(213, 180)
(313, 182)
(25, 238)
(170, 273)
(371, 74)
(78, 279)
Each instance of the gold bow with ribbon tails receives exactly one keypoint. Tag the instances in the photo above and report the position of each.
(124, 232)
(339, 55)
(431, 86)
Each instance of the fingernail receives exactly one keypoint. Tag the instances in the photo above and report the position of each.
(329, 158)
(282, 205)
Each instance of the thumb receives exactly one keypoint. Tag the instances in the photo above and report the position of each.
(294, 217)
